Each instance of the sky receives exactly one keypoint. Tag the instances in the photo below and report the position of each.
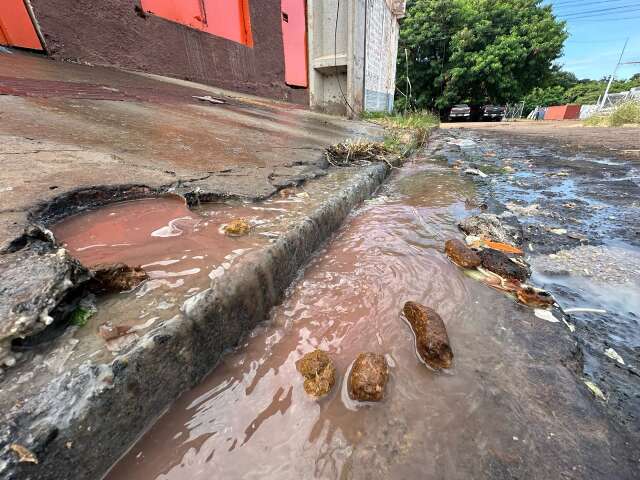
(597, 32)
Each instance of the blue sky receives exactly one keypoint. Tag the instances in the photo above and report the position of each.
(598, 30)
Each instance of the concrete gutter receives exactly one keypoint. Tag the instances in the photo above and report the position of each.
(80, 423)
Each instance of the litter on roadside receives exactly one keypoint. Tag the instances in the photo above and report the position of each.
(613, 355)
(585, 310)
(475, 171)
(595, 390)
(545, 315)
(208, 98)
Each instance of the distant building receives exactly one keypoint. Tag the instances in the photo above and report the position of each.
(282, 49)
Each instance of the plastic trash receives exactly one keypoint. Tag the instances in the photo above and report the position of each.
(613, 355)
(595, 390)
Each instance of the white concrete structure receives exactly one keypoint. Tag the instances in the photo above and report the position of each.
(352, 61)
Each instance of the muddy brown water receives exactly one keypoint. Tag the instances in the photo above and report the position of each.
(504, 410)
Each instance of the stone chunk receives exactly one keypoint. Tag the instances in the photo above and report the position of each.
(503, 228)
(368, 377)
(237, 227)
(432, 341)
(460, 254)
(34, 280)
(117, 277)
(497, 262)
(318, 371)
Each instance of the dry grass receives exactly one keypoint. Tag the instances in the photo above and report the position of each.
(357, 152)
(627, 113)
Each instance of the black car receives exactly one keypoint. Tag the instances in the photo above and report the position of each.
(460, 112)
(492, 112)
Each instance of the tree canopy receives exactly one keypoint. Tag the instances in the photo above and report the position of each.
(476, 51)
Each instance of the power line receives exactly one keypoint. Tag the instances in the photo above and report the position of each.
(602, 20)
(627, 7)
(582, 4)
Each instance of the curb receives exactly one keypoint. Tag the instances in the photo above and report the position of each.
(81, 423)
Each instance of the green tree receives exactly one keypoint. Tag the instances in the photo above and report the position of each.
(476, 51)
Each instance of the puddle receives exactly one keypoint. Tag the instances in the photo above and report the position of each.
(593, 199)
(182, 250)
(251, 418)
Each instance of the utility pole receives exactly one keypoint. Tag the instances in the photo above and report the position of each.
(615, 70)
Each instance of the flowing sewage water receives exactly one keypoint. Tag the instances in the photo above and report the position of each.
(500, 404)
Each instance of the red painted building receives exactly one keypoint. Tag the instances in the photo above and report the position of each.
(281, 49)
(254, 46)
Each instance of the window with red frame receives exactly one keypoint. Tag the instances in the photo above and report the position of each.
(223, 18)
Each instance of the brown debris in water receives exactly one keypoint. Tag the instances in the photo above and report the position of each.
(109, 331)
(24, 454)
(368, 377)
(533, 297)
(318, 371)
(117, 277)
(237, 227)
(432, 341)
(287, 192)
(460, 254)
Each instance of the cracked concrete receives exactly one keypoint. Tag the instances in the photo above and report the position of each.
(64, 150)
(152, 133)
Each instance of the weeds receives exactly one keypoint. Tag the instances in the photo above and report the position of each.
(403, 135)
(357, 152)
(627, 113)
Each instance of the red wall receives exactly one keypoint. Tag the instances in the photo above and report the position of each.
(119, 33)
(563, 112)
(224, 18)
(16, 28)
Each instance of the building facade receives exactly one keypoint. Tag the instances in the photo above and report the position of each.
(336, 56)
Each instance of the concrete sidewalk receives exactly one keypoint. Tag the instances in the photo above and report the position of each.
(66, 126)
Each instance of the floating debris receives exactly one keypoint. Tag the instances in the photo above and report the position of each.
(431, 339)
(117, 277)
(503, 247)
(535, 297)
(545, 315)
(109, 331)
(595, 390)
(24, 454)
(585, 310)
(237, 227)
(368, 377)
(613, 355)
(476, 172)
(318, 371)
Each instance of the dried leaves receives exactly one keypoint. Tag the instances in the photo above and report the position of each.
(357, 152)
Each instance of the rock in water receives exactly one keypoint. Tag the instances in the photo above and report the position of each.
(460, 254)
(503, 228)
(318, 372)
(117, 277)
(497, 262)
(368, 377)
(237, 227)
(432, 341)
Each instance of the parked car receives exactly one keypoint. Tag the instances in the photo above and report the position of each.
(460, 112)
(492, 112)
